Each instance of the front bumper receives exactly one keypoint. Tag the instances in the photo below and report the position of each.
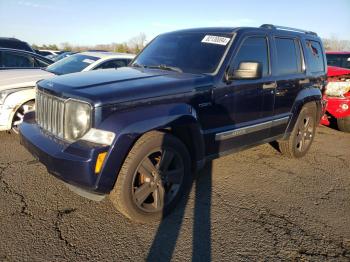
(73, 163)
(338, 107)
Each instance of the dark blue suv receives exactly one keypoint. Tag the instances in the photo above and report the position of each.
(138, 133)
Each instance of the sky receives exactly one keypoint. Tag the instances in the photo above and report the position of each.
(90, 22)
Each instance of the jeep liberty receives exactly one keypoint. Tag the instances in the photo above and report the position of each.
(138, 133)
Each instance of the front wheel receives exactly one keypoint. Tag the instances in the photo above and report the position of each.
(344, 124)
(18, 117)
(303, 133)
(154, 176)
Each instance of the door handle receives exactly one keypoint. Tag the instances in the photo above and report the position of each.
(304, 81)
(270, 85)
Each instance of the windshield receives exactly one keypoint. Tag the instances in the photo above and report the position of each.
(185, 52)
(339, 60)
(71, 64)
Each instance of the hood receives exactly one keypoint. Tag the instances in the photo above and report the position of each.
(18, 78)
(112, 86)
(337, 71)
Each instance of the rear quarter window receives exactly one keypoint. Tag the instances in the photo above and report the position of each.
(315, 56)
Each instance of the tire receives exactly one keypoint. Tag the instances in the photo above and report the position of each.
(145, 196)
(344, 124)
(18, 116)
(303, 133)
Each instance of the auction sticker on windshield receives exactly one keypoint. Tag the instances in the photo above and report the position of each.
(217, 40)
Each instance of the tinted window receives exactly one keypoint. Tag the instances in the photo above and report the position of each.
(44, 53)
(113, 64)
(71, 64)
(192, 52)
(339, 60)
(288, 56)
(315, 54)
(12, 59)
(253, 49)
(40, 63)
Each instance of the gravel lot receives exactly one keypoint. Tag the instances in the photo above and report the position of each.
(254, 204)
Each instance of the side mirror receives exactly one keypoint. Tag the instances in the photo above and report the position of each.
(246, 70)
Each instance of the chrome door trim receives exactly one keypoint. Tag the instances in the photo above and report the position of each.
(250, 129)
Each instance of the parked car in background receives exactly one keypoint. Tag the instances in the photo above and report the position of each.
(19, 59)
(17, 93)
(13, 43)
(63, 55)
(87, 61)
(136, 133)
(51, 53)
(337, 96)
(338, 59)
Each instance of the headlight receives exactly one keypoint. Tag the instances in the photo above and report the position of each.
(77, 119)
(5, 94)
(337, 88)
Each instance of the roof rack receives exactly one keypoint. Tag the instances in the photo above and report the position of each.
(277, 27)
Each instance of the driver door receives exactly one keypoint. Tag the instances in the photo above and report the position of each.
(248, 102)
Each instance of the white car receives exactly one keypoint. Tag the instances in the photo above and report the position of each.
(17, 92)
(45, 52)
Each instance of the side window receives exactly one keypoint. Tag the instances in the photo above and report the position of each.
(40, 63)
(12, 59)
(315, 54)
(288, 56)
(113, 64)
(253, 49)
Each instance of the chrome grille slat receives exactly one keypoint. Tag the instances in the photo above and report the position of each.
(50, 113)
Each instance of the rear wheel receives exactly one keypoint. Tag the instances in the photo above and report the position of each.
(303, 133)
(153, 177)
(344, 124)
(18, 117)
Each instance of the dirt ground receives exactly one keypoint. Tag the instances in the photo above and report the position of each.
(252, 205)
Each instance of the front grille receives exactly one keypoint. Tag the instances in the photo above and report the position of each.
(50, 113)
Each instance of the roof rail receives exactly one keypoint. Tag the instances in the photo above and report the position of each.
(277, 27)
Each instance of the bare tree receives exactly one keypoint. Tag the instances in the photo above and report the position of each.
(66, 46)
(336, 44)
(134, 45)
(137, 43)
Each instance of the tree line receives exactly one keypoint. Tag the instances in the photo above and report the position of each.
(137, 43)
(134, 45)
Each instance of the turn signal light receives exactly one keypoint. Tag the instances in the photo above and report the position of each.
(99, 162)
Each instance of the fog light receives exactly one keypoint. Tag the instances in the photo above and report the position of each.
(99, 162)
(344, 107)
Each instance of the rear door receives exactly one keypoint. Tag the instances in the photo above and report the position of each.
(290, 76)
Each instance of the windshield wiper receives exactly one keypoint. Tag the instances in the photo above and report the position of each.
(166, 67)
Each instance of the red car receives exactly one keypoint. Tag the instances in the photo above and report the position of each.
(338, 59)
(337, 96)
